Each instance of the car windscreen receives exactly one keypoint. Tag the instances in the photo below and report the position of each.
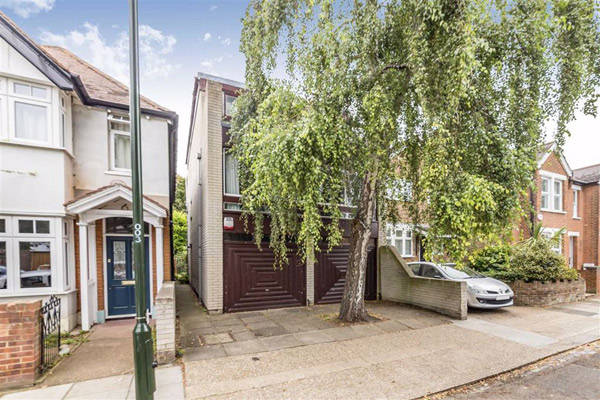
(454, 273)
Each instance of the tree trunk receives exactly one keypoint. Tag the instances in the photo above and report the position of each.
(352, 308)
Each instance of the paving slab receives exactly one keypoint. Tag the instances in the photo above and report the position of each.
(342, 333)
(203, 353)
(313, 337)
(392, 326)
(280, 342)
(270, 331)
(50, 393)
(246, 347)
(367, 329)
(218, 338)
(243, 335)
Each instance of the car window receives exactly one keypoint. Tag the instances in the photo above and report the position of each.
(415, 268)
(429, 271)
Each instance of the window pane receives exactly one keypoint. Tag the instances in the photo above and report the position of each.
(119, 261)
(408, 247)
(229, 105)
(31, 122)
(557, 187)
(35, 264)
(38, 92)
(122, 151)
(557, 202)
(2, 226)
(22, 89)
(25, 226)
(42, 226)
(3, 265)
(398, 245)
(544, 201)
(544, 185)
(231, 184)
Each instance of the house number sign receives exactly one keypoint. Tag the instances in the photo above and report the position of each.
(137, 233)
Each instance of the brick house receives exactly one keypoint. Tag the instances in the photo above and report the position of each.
(65, 177)
(589, 180)
(227, 270)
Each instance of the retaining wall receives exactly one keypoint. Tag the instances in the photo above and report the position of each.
(547, 293)
(399, 283)
(165, 323)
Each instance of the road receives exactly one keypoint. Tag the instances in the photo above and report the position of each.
(571, 375)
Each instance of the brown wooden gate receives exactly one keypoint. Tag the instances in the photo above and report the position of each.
(251, 282)
(330, 274)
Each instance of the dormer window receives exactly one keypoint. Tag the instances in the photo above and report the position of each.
(229, 105)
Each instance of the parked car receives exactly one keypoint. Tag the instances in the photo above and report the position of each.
(482, 292)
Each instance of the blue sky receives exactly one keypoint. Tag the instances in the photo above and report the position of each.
(179, 38)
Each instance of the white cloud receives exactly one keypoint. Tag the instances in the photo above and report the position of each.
(209, 65)
(207, 36)
(26, 8)
(226, 41)
(113, 58)
(213, 8)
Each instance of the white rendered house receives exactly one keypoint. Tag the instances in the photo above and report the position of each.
(65, 197)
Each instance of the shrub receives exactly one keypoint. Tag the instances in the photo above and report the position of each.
(529, 261)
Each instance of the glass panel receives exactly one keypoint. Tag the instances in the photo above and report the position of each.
(544, 185)
(25, 226)
(229, 104)
(3, 265)
(22, 89)
(408, 247)
(38, 92)
(122, 151)
(42, 226)
(398, 244)
(544, 201)
(35, 264)
(557, 202)
(31, 122)
(123, 225)
(119, 261)
(2, 226)
(232, 184)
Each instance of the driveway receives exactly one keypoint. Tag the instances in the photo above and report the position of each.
(404, 363)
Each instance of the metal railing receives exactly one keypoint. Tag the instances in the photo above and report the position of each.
(50, 332)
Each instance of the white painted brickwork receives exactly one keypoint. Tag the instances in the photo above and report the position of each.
(398, 283)
(165, 323)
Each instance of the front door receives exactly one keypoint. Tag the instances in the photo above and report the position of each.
(120, 271)
(571, 250)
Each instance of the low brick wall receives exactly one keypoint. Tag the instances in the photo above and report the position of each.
(592, 279)
(398, 283)
(20, 347)
(165, 323)
(547, 293)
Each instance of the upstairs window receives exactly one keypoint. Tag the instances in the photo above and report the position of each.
(575, 203)
(552, 192)
(31, 121)
(231, 182)
(37, 92)
(120, 143)
(229, 105)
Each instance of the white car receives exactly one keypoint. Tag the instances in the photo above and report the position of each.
(482, 292)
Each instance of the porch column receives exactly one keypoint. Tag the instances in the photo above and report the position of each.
(83, 276)
(160, 265)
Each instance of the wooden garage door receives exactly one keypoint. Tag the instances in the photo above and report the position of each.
(251, 282)
(330, 274)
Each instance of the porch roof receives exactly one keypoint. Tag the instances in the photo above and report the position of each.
(105, 194)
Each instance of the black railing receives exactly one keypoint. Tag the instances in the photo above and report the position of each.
(50, 327)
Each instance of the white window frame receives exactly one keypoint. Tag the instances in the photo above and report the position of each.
(576, 191)
(17, 265)
(12, 123)
(392, 238)
(112, 133)
(13, 93)
(552, 178)
(226, 112)
(548, 233)
(15, 223)
(225, 150)
(9, 273)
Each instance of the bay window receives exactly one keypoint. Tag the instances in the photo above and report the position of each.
(35, 264)
(400, 236)
(29, 112)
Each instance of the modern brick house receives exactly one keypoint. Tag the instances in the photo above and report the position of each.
(227, 270)
(65, 197)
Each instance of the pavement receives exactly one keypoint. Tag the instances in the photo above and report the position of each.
(411, 362)
(169, 386)
(573, 375)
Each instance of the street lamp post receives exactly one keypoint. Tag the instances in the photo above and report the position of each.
(143, 352)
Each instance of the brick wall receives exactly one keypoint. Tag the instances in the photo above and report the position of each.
(167, 253)
(547, 293)
(591, 220)
(398, 283)
(20, 348)
(165, 323)
(592, 279)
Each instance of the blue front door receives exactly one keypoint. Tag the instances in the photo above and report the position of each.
(120, 271)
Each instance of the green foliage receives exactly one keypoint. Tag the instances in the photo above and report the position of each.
(180, 240)
(179, 203)
(448, 96)
(528, 261)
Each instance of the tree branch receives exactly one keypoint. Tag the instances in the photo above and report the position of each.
(396, 66)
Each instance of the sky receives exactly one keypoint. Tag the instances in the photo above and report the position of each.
(178, 39)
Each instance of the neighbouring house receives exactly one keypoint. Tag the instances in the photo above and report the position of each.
(65, 176)
(226, 268)
(589, 180)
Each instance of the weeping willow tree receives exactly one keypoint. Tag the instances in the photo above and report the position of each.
(441, 101)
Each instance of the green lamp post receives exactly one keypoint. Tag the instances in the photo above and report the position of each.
(143, 352)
